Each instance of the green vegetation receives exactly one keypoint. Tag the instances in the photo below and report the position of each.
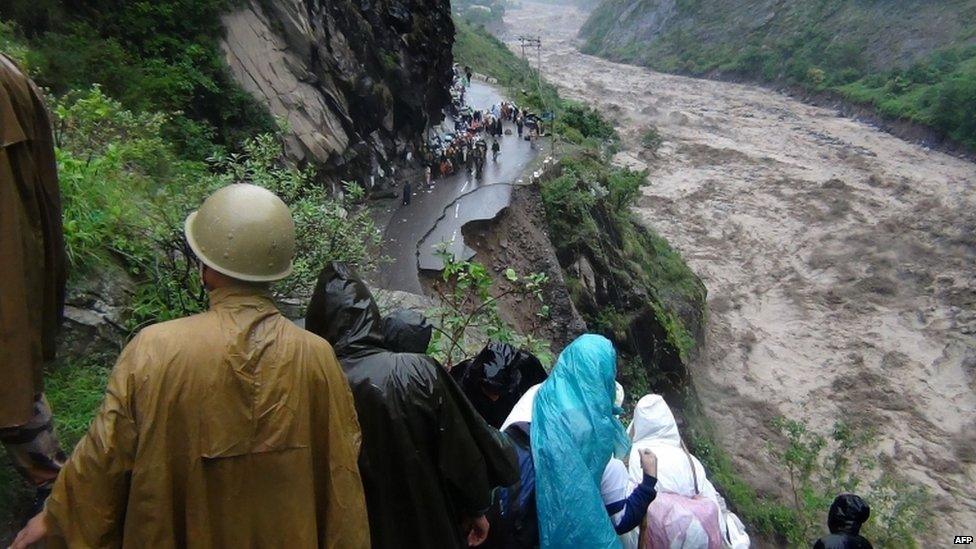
(150, 56)
(467, 313)
(907, 60)
(818, 468)
(589, 216)
(480, 12)
(126, 193)
(588, 208)
(651, 140)
(141, 137)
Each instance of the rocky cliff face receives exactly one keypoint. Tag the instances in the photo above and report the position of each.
(354, 81)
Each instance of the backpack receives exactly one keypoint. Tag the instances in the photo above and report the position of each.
(514, 524)
(687, 522)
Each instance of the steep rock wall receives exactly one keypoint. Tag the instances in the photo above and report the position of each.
(354, 82)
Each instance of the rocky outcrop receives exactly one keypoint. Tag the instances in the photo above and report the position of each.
(353, 82)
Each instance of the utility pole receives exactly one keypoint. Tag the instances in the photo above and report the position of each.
(536, 42)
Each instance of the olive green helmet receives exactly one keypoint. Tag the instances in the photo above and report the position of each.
(245, 232)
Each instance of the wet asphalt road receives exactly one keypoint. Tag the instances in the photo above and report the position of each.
(437, 214)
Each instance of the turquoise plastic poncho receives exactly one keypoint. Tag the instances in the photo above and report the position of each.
(574, 434)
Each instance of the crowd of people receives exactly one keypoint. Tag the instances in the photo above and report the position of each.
(475, 134)
(238, 428)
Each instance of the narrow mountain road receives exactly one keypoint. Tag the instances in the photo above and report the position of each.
(436, 214)
(840, 263)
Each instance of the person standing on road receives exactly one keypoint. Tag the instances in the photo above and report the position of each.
(406, 193)
(519, 124)
(495, 148)
(229, 428)
(32, 278)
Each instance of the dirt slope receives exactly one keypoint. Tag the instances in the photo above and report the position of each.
(840, 262)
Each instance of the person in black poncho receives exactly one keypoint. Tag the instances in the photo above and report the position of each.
(847, 513)
(495, 379)
(428, 460)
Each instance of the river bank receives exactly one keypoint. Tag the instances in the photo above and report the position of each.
(838, 261)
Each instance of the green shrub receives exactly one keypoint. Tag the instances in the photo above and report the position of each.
(652, 140)
(151, 56)
(125, 195)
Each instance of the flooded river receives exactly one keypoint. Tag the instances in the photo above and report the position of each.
(840, 262)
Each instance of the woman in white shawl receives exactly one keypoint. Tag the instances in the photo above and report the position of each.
(654, 428)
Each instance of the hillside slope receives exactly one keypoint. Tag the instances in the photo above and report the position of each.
(910, 59)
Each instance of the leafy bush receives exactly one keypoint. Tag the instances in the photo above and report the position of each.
(151, 56)
(126, 193)
(586, 121)
(820, 468)
(468, 310)
(652, 140)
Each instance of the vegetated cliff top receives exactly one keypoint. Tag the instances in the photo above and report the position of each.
(866, 34)
(909, 59)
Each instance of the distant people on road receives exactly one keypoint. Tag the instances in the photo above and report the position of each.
(495, 148)
(406, 193)
(847, 514)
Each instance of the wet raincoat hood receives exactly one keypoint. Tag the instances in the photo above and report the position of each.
(574, 434)
(503, 370)
(429, 461)
(407, 331)
(847, 513)
(654, 421)
(231, 428)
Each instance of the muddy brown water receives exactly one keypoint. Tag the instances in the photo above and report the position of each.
(840, 262)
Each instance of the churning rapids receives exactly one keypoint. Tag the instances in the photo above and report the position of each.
(840, 262)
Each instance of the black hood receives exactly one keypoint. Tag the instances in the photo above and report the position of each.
(343, 311)
(847, 513)
(498, 367)
(407, 331)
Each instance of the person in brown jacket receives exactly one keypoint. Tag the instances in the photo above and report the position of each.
(32, 277)
(230, 428)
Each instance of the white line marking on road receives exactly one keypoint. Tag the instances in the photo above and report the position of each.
(457, 208)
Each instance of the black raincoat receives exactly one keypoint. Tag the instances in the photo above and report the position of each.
(847, 514)
(407, 331)
(428, 460)
(502, 371)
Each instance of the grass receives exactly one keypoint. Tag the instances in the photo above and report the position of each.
(75, 390)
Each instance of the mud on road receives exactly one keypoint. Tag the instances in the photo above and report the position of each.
(840, 262)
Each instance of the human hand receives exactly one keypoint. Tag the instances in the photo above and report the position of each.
(479, 531)
(35, 531)
(648, 462)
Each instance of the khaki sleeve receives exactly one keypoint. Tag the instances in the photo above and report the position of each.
(88, 501)
(346, 522)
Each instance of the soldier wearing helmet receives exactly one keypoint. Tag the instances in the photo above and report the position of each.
(230, 428)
